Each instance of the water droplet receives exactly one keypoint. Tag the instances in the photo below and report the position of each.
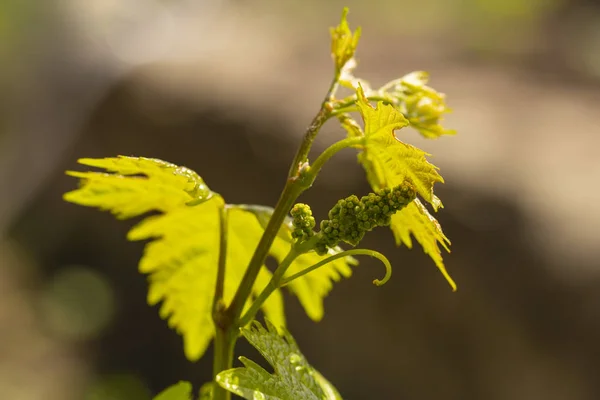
(295, 358)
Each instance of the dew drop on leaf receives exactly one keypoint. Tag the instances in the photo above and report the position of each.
(295, 358)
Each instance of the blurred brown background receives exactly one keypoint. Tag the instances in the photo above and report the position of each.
(227, 88)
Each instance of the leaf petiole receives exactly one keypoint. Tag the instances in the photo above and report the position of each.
(315, 168)
(348, 104)
(218, 305)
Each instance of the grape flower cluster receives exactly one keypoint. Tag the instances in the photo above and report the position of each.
(302, 222)
(351, 217)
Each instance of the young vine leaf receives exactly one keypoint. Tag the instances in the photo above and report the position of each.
(388, 162)
(293, 378)
(123, 192)
(178, 391)
(422, 105)
(389, 159)
(416, 219)
(207, 391)
(343, 42)
(183, 391)
(182, 260)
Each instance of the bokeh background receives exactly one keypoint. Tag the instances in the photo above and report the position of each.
(227, 88)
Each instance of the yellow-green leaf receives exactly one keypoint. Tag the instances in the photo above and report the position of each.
(136, 186)
(422, 105)
(388, 160)
(179, 391)
(293, 378)
(182, 260)
(182, 267)
(343, 42)
(415, 219)
(348, 80)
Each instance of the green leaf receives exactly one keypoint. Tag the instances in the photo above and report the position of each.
(293, 378)
(388, 162)
(331, 393)
(343, 42)
(348, 80)
(422, 105)
(182, 260)
(416, 219)
(183, 266)
(206, 391)
(311, 288)
(136, 186)
(179, 391)
(386, 158)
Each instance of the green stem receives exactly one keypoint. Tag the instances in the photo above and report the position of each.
(290, 193)
(322, 116)
(218, 305)
(347, 104)
(353, 252)
(315, 168)
(344, 110)
(223, 359)
(273, 284)
(227, 321)
(224, 340)
(277, 280)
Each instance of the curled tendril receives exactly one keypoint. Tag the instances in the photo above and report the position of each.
(386, 263)
(353, 252)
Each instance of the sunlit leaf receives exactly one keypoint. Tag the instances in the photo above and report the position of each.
(347, 78)
(415, 219)
(183, 267)
(136, 185)
(293, 378)
(422, 105)
(343, 42)
(388, 162)
(206, 391)
(182, 260)
(179, 391)
(330, 391)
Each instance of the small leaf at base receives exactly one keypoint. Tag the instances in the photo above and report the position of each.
(179, 391)
(293, 377)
